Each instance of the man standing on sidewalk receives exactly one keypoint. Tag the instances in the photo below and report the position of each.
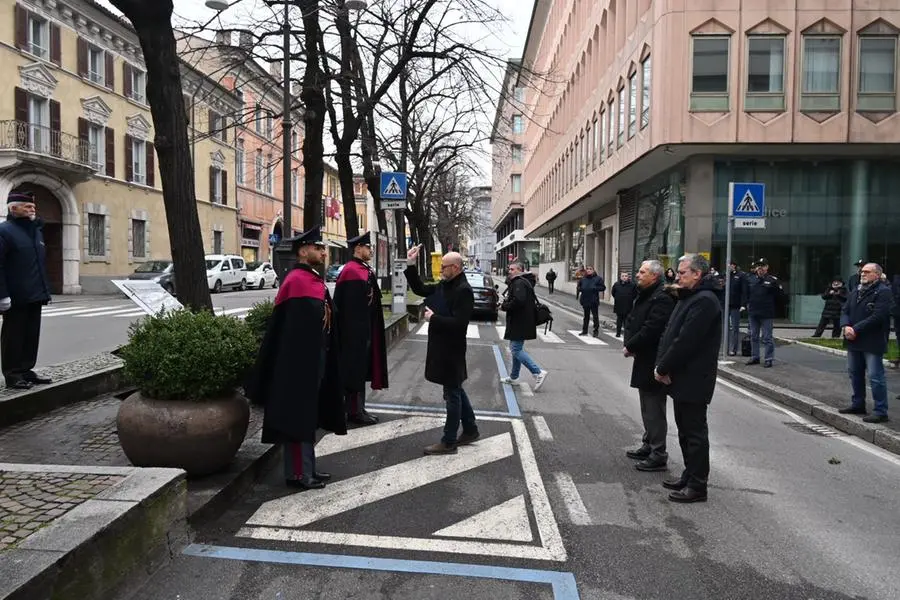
(623, 292)
(551, 280)
(24, 290)
(519, 304)
(643, 329)
(735, 299)
(450, 304)
(590, 287)
(762, 291)
(866, 325)
(687, 366)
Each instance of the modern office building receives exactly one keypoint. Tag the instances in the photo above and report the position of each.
(635, 115)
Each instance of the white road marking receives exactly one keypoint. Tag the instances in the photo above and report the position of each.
(543, 431)
(50, 311)
(110, 313)
(472, 332)
(133, 313)
(232, 311)
(587, 339)
(84, 311)
(382, 432)
(525, 389)
(414, 411)
(302, 509)
(501, 331)
(423, 330)
(578, 514)
(550, 337)
(507, 521)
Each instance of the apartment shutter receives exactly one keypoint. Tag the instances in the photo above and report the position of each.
(212, 184)
(84, 148)
(82, 57)
(129, 158)
(55, 126)
(110, 71)
(151, 165)
(21, 28)
(110, 152)
(21, 103)
(224, 187)
(126, 80)
(55, 45)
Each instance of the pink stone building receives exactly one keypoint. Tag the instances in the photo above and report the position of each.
(638, 113)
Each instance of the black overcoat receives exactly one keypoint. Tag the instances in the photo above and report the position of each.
(23, 262)
(623, 294)
(834, 302)
(520, 308)
(643, 330)
(360, 319)
(296, 377)
(868, 311)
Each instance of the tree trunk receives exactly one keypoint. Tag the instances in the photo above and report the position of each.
(348, 198)
(312, 97)
(153, 23)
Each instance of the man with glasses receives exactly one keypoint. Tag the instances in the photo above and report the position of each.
(449, 309)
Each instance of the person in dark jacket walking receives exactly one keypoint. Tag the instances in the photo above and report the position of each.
(450, 304)
(551, 280)
(623, 292)
(761, 294)
(519, 305)
(590, 287)
(866, 322)
(834, 298)
(643, 330)
(687, 365)
(24, 291)
(735, 299)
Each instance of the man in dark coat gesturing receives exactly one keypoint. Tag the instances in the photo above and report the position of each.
(623, 292)
(357, 301)
(24, 291)
(450, 304)
(644, 327)
(296, 374)
(687, 365)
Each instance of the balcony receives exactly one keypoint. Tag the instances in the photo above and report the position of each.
(65, 155)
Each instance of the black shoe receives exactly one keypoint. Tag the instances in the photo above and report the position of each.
(732, 354)
(363, 419)
(639, 454)
(20, 385)
(674, 483)
(596, 333)
(876, 419)
(39, 380)
(652, 464)
(752, 361)
(687, 495)
(852, 410)
(583, 333)
(767, 364)
(322, 476)
(467, 438)
(305, 483)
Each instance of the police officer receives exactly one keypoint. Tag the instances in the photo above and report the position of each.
(735, 302)
(760, 294)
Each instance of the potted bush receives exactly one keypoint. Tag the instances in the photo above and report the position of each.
(257, 318)
(186, 412)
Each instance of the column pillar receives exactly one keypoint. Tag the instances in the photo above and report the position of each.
(857, 234)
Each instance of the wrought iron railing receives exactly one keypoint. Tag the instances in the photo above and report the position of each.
(19, 135)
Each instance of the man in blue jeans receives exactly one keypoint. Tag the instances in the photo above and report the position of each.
(449, 308)
(866, 325)
(760, 294)
(519, 304)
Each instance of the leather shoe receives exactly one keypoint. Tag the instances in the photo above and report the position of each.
(363, 419)
(36, 380)
(649, 465)
(639, 454)
(876, 419)
(852, 410)
(674, 483)
(440, 448)
(305, 483)
(20, 385)
(687, 496)
(467, 438)
(321, 476)
(752, 361)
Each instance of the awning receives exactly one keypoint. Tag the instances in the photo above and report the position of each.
(253, 226)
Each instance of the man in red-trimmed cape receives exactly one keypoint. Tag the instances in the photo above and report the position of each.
(357, 299)
(296, 377)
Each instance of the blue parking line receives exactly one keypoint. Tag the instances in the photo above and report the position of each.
(434, 409)
(563, 583)
(511, 402)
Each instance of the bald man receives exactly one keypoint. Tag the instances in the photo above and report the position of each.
(449, 308)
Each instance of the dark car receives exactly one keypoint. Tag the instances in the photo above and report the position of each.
(487, 300)
(333, 271)
(160, 271)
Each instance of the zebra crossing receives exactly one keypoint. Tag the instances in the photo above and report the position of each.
(495, 331)
(123, 310)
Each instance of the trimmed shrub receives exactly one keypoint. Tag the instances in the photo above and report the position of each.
(257, 318)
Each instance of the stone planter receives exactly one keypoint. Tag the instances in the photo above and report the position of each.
(199, 437)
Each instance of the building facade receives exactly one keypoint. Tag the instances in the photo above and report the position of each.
(76, 130)
(481, 239)
(639, 113)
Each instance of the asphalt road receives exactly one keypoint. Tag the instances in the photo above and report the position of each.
(73, 327)
(546, 505)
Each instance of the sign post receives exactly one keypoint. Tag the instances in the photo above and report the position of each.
(394, 186)
(746, 210)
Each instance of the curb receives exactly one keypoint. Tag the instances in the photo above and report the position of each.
(879, 435)
(833, 351)
(29, 404)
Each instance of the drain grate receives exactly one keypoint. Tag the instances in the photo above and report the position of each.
(813, 429)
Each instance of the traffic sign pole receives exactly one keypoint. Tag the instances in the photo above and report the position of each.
(393, 197)
(727, 266)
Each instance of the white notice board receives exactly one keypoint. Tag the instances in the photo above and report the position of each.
(148, 295)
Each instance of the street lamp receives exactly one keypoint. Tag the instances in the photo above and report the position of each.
(219, 5)
(356, 4)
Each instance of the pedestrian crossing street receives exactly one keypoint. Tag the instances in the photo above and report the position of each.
(123, 310)
(495, 331)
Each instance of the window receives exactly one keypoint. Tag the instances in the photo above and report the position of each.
(765, 73)
(820, 88)
(709, 76)
(97, 141)
(96, 235)
(139, 161)
(611, 127)
(602, 135)
(39, 124)
(516, 183)
(218, 126)
(217, 186)
(295, 144)
(621, 130)
(595, 143)
(258, 171)
(217, 242)
(270, 125)
(519, 94)
(646, 83)
(877, 73)
(138, 85)
(270, 172)
(576, 156)
(517, 153)
(138, 238)
(518, 124)
(96, 65)
(258, 119)
(632, 105)
(239, 161)
(38, 37)
(295, 187)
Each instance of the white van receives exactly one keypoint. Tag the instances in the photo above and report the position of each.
(225, 271)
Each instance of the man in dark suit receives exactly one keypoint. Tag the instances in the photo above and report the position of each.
(687, 365)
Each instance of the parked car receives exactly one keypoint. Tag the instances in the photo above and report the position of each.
(261, 274)
(226, 271)
(331, 274)
(160, 271)
(487, 299)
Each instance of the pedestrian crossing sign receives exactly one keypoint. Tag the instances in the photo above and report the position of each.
(393, 186)
(747, 200)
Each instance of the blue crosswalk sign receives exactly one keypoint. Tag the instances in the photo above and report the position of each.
(748, 200)
(393, 186)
